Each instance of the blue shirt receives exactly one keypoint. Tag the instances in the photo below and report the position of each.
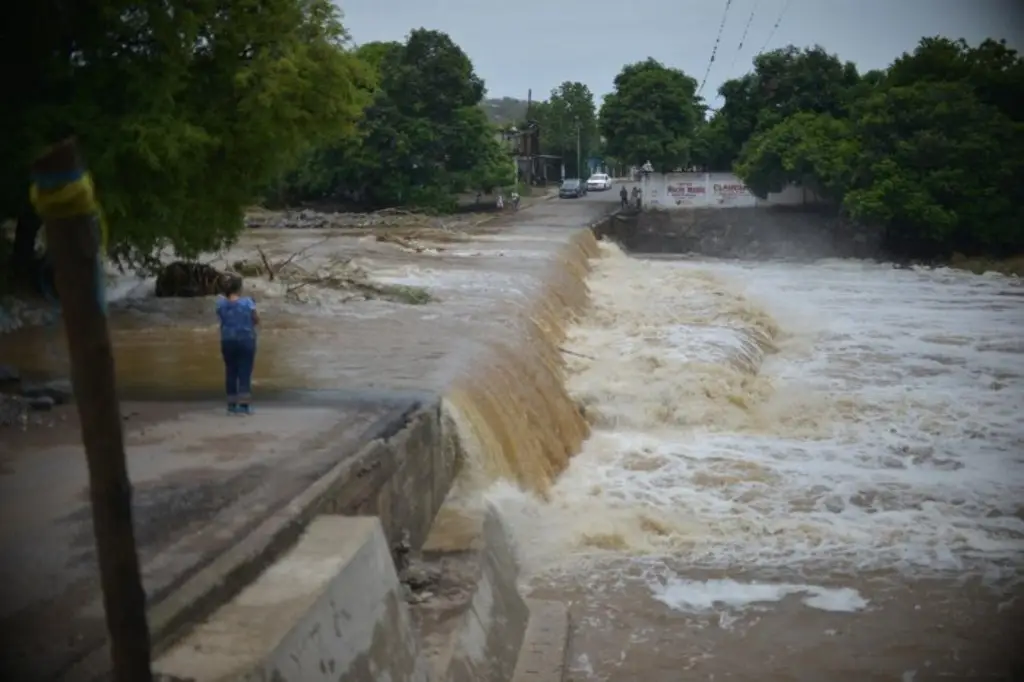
(236, 323)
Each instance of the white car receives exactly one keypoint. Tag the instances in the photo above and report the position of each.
(599, 182)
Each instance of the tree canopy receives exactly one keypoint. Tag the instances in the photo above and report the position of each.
(422, 137)
(931, 148)
(570, 110)
(651, 116)
(185, 111)
(188, 113)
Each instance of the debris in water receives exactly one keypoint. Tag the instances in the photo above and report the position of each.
(339, 274)
(307, 219)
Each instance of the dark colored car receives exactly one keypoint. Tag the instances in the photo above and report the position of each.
(571, 189)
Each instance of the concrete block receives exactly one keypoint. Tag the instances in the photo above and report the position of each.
(487, 645)
(331, 609)
(543, 655)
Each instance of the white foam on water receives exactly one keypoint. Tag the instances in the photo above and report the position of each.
(448, 279)
(841, 413)
(696, 596)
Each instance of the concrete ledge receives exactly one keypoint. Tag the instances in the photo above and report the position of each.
(543, 656)
(474, 627)
(487, 645)
(330, 609)
(403, 477)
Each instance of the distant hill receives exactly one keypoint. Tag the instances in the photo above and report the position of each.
(504, 109)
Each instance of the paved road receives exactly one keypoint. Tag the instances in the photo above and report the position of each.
(201, 479)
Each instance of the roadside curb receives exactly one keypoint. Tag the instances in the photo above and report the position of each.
(543, 656)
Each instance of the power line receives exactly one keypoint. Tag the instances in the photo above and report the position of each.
(778, 21)
(743, 37)
(714, 50)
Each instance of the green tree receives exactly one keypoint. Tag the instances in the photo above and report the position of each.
(186, 111)
(994, 72)
(941, 170)
(784, 82)
(495, 168)
(651, 116)
(810, 149)
(425, 135)
(330, 168)
(569, 112)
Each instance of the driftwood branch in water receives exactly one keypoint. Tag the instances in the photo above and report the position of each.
(300, 252)
(579, 355)
(266, 263)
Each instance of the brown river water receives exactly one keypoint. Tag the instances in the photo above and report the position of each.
(784, 471)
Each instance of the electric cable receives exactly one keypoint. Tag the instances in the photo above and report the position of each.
(714, 49)
(743, 38)
(771, 34)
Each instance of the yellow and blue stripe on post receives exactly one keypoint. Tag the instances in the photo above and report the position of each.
(71, 195)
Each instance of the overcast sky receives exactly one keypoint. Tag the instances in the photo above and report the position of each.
(521, 44)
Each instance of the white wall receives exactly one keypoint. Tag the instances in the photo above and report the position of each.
(670, 191)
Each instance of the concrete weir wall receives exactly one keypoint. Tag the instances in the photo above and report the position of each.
(333, 609)
(777, 232)
(328, 586)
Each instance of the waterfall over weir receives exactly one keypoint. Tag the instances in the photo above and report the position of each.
(513, 412)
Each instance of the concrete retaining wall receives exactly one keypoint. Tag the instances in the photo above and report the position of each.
(332, 609)
(487, 643)
(754, 233)
(402, 476)
(404, 480)
(681, 191)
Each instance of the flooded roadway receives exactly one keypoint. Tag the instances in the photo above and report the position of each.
(202, 480)
(326, 340)
(797, 472)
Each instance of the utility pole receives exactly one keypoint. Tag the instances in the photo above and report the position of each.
(63, 196)
(579, 166)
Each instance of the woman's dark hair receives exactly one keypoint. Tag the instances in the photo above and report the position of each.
(232, 284)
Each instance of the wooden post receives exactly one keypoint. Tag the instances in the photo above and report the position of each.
(73, 245)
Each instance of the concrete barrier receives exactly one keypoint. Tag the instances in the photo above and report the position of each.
(487, 644)
(402, 477)
(331, 609)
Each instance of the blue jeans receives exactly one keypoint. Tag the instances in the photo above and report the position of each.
(239, 357)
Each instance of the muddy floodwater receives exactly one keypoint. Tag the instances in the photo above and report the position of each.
(318, 337)
(797, 472)
(790, 472)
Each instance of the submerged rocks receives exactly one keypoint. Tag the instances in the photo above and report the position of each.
(13, 411)
(9, 376)
(184, 279)
(18, 398)
(57, 392)
(308, 219)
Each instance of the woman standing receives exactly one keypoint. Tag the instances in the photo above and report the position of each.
(238, 322)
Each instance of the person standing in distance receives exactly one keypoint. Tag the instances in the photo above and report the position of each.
(238, 323)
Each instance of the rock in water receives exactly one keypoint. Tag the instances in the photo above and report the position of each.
(43, 403)
(183, 279)
(59, 391)
(13, 410)
(10, 377)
